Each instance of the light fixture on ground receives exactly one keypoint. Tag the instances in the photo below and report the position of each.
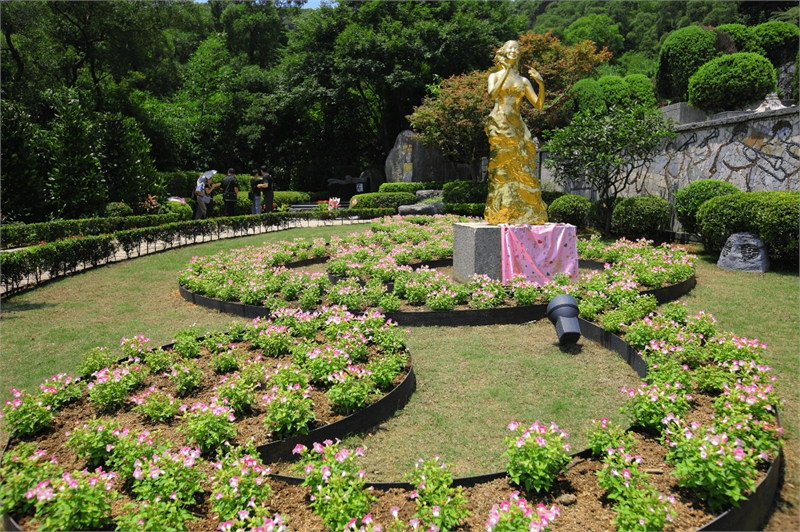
(563, 313)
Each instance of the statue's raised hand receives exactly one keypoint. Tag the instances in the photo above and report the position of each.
(534, 74)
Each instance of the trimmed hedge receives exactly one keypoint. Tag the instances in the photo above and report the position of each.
(684, 51)
(382, 200)
(465, 209)
(641, 88)
(64, 256)
(742, 37)
(640, 216)
(463, 191)
(549, 196)
(689, 199)
(118, 209)
(773, 216)
(731, 81)
(589, 95)
(411, 187)
(290, 197)
(569, 209)
(616, 92)
(184, 211)
(778, 39)
(19, 235)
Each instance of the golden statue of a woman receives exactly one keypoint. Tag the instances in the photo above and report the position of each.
(515, 196)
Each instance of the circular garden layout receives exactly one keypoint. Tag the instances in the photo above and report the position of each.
(183, 436)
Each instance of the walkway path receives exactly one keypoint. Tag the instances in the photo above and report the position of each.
(148, 249)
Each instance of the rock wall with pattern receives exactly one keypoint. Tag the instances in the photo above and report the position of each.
(755, 152)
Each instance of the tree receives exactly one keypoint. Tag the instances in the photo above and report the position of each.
(599, 29)
(453, 118)
(607, 149)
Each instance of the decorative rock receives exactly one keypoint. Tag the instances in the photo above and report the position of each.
(744, 252)
(421, 208)
(566, 499)
(425, 194)
(410, 160)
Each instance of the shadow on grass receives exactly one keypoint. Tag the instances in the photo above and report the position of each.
(9, 309)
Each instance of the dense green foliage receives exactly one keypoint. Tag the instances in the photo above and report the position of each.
(606, 150)
(684, 51)
(731, 81)
(640, 216)
(99, 95)
(773, 216)
(382, 200)
(569, 209)
(411, 187)
(465, 192)
(689, 199)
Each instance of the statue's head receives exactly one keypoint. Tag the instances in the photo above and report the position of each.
(508, 54)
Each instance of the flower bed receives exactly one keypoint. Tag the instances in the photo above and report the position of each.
(694, 370)
(255, 277)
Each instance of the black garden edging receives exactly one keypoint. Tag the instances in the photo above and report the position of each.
(448, 318)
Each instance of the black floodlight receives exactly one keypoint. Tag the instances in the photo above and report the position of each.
(563, 313)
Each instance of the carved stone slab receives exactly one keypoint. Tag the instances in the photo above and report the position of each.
(744, 252)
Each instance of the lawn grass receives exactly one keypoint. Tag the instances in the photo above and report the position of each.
(471, 380)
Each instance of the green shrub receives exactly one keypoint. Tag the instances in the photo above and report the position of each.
(684, 51)
(731, 81)
(689, 199)
(641, 216)
(290, 197)
(616, 92)
(465, 209)
(569, 209)
(411, 187)
(549, 196)
(641, 88)
(773, 216)
(184, 211)
(589, 95)
(379, 200)
(778, 39)
(180, 183)
(743, 37)
(118, 209)
(465, 192)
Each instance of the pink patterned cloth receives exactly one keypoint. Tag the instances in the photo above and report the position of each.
(538, 252)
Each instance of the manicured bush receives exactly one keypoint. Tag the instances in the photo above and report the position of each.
(118, 208)
(684, 51)
(689, 199)
(184, 211)
(616, 92)
(778, 39)
(569, 209)
(549, 196)
(411, 187)
(773, 216)
(290, 197)
(640, 216)
(379, 200)
(731, 81)
(465, 209)
(465, 192)
(742, 37)
(588, 95)
(641, 88)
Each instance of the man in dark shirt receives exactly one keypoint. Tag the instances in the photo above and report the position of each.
(269, 190)
(230, 192)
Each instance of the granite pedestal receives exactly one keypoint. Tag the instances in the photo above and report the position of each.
(476, 249)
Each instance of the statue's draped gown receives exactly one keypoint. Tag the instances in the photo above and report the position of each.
(515, 196)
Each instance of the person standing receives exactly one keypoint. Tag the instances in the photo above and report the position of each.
(205, 185)
(230, 192)
(268, 187)
(256, 184)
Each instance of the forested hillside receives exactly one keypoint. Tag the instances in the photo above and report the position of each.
(99, 96)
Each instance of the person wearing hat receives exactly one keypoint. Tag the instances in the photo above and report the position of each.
(205, 185)
(230, 192)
